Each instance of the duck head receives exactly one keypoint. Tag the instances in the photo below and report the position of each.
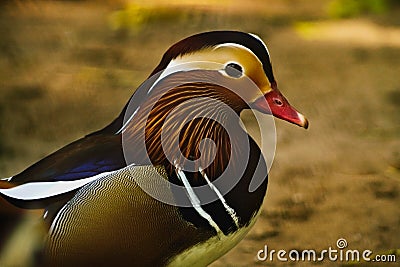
(237, 56)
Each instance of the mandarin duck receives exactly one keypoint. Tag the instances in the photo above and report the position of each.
(169, 182)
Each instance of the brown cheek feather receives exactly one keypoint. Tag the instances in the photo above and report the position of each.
(158, 119)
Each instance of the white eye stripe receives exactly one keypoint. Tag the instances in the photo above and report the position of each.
(234, 45)
(259, 39)
(177, 65)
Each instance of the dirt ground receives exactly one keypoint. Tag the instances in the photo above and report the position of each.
(68, 67)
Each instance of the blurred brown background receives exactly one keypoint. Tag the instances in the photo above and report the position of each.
(68, 67)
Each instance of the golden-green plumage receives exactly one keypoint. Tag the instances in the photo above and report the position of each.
(114, 220)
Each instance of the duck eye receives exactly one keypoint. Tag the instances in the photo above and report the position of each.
(234, 70)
